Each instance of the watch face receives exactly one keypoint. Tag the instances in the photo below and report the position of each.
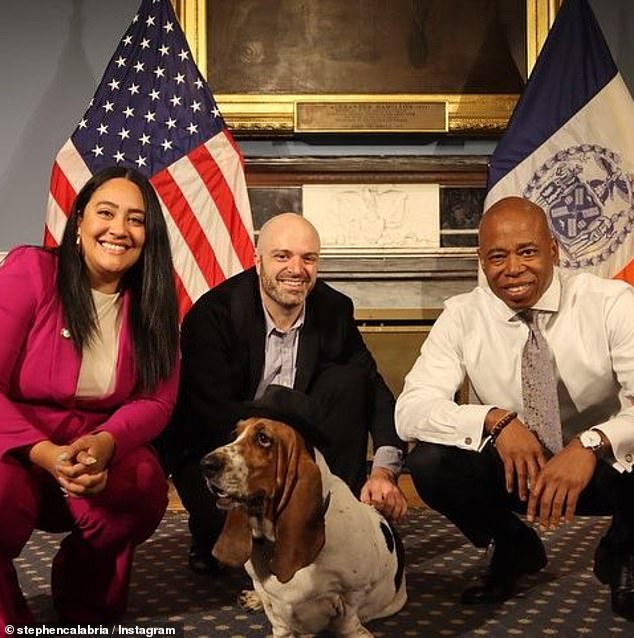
(591, 439)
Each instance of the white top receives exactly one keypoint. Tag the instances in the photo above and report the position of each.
(589, 325)
(97, 374)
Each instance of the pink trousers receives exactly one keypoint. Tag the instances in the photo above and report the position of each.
(91, 571)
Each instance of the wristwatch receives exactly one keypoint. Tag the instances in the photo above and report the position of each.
(592, 440)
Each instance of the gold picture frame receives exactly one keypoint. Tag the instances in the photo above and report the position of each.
(272, 113)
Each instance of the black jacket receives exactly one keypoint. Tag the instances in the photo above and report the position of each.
(222, 341)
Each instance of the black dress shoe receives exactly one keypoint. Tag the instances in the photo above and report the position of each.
(623, 588)
(202, 562)
(614, 566)
(510, 561)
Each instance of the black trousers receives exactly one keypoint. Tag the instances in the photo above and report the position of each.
(345, 395)
(469, 489)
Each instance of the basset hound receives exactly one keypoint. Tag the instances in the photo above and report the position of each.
(319, 558)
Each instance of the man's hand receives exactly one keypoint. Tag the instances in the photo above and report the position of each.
(382, 491)
(522, 455)
(557, 489)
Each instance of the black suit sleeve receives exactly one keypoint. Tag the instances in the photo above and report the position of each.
(213, 384)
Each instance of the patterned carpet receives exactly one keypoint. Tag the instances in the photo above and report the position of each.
(562, 601)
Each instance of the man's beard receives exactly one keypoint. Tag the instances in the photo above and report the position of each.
(289, 300)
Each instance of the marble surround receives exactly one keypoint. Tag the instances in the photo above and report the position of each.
(396, 290)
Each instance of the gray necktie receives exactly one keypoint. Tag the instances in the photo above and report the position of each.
(539, 387)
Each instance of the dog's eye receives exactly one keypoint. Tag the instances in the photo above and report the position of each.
(263, 439)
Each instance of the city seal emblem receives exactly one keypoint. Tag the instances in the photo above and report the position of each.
(589, 200)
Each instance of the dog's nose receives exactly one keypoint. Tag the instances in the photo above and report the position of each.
(211, 464)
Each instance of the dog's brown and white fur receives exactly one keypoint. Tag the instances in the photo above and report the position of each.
(319, 559)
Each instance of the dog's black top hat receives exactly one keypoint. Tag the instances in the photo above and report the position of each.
(290, 406)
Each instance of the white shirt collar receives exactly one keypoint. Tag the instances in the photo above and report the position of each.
(270, 324)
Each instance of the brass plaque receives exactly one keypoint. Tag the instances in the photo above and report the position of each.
(371, 117)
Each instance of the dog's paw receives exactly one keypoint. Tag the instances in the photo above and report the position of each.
(250, 600)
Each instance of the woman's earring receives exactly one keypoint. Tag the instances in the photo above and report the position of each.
(78, 239)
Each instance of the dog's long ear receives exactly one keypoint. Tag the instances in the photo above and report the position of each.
(300, 528)
(233, 547)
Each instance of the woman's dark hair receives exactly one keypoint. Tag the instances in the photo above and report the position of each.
(150, 282)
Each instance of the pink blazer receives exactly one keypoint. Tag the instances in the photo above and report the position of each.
(39, 367)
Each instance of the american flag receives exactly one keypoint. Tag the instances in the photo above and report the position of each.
(154, 111)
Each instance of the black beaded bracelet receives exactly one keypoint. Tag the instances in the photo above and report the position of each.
(500, 425)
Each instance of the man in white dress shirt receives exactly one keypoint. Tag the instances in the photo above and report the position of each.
(480, 464)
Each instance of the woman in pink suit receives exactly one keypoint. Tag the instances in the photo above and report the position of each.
(88, 377)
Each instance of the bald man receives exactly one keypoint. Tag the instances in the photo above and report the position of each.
(481, 464)
(278, 324)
